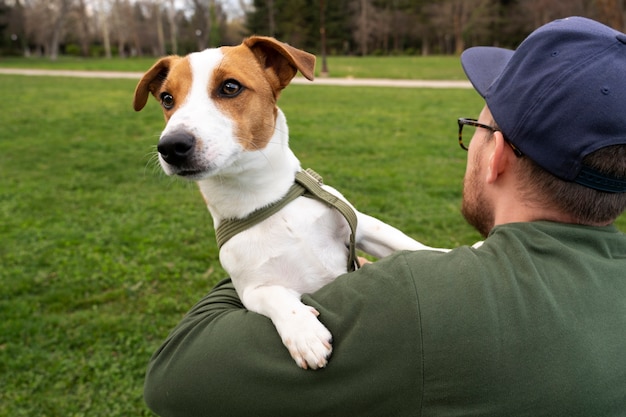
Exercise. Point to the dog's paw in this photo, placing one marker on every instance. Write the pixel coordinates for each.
(308, 341)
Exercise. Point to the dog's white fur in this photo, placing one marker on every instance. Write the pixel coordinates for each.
(241, 160)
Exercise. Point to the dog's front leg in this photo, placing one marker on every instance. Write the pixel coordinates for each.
(380, 239)
(308, 341)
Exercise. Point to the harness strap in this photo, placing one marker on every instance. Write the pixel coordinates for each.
(312, 181)
(309, 184)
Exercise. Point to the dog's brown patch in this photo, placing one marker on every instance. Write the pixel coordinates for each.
(177, 83)
(253, 110)
(171, 74)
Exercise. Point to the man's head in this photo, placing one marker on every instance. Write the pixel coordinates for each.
(560, 99)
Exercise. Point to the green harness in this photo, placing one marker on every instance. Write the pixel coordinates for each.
(308, 184)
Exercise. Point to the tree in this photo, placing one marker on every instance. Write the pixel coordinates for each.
(171, 15)
(202, 21)
(137, 27)
(260, 19)
(103, 20)
(363, 11)
(611, 12)
(60, 10)
(158, 19)
(4, 23)
(83, 31)
(123, 27)
(12, 27)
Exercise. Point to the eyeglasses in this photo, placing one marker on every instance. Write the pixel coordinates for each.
(474, 123)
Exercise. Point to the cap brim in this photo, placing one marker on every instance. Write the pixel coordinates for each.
(483, 64)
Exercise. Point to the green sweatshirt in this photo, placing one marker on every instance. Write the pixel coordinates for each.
(533, 323)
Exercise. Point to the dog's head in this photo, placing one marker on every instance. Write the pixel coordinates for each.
(219, 103)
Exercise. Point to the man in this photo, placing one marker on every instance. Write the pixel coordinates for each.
(532, 323)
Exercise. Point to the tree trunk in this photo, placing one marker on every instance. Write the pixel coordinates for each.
(173, 27)
(106, 35)
(363, 27)
(160, 34)
(612, 13)
(57, 28)
(201, 19)
(84, 32)
(458, 20)
(270, 16)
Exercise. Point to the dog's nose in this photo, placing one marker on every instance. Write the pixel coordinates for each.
(176, 148)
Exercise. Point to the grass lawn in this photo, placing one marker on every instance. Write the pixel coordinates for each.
(401, 67)
(102, 254)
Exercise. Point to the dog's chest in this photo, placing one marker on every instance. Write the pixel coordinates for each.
(305, 245)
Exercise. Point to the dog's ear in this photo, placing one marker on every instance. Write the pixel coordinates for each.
(152, 80)
(283, 59)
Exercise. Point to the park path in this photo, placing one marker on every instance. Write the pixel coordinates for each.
(349, 82)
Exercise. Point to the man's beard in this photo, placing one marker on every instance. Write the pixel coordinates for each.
(477, 212)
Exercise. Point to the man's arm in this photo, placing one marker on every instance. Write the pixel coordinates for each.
(224, 360)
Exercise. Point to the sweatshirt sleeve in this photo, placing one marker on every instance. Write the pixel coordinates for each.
(224, 360)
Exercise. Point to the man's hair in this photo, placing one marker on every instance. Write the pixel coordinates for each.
(585, 205)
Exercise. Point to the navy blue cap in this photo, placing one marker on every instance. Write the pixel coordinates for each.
(559, 96)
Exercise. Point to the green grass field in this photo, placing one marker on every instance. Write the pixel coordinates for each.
(402, 67)
(101, 253)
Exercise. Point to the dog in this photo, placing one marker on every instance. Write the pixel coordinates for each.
(224, 131)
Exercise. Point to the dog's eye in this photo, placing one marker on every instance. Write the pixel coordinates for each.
(167, 100)
(230, 88)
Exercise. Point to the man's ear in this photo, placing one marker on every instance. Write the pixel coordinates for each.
(499, 157)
